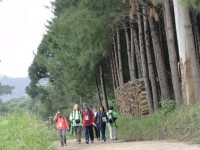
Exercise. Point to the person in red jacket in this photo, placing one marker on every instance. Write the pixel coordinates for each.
(88, 122)
(62, 126)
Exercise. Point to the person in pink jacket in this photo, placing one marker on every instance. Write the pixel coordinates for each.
(62, 126)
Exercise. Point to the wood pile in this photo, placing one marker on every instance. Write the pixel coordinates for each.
(131, 98)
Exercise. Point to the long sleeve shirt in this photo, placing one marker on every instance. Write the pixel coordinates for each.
(61, 122)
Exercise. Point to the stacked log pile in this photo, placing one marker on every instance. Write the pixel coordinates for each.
(131, 98)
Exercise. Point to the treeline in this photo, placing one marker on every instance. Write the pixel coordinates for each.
(6, 89)
(24, 104)
(93, 47)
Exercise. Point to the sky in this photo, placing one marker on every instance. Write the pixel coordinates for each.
(22, 25)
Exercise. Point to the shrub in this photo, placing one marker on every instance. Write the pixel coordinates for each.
(24, 131)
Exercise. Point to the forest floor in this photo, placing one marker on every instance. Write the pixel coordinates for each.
(120, 145)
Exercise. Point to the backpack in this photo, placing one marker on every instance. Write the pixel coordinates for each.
(110, 118)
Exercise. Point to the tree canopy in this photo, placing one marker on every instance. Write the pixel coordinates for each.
(71, 52)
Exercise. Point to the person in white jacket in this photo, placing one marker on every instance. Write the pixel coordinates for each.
(76, 122)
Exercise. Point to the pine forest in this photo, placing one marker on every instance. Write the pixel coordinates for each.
(133, 54)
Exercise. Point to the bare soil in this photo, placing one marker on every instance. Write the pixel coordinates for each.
(120, 145)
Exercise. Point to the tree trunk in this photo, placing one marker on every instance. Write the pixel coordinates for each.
(103, 87)
(192, 52)
(116, 61)
(185, 60)
(133, 61)
(121, 75)
(129, 54)
(114, 68)
(98, 91)
(151, 67)
(144, 64)
(196, 35)
(112, 71)
(160, 64)
(81, 103)
(172, 53)
(137, 51)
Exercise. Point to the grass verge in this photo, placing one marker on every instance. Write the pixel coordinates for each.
(24, 131)
(181, 124)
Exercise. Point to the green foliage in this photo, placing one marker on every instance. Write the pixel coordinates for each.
(4, 108)
(181, 124)
(18, 104)
(24, 131)
(6, 89)
(26, 104)
(167, 106)
(70, 54)
(194, 4)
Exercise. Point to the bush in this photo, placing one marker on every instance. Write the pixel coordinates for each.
(167, 106)
(24, 131)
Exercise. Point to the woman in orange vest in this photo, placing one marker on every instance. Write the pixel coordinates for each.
(62, 126)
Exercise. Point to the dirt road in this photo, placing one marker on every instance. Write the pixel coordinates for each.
(119, 145)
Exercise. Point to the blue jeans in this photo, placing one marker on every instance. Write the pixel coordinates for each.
(62, 135)
(88, 132)
(102, 129)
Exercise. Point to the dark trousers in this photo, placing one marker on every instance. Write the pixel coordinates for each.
(97, 132)
(102, 129)
(88, 132)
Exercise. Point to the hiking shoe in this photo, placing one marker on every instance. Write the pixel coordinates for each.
(62, 145)
(87, 142)
(104, 139)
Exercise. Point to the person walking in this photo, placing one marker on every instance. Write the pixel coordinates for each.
(62, 126)
(96, 129)
(88, 122)
(75, 118)
(101, 119)
(112, 117)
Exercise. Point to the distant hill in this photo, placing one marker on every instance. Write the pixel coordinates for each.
(19, 84)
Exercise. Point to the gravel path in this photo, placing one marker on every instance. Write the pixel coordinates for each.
(119, 145)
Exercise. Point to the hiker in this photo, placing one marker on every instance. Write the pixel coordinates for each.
(88, 122)
(62, 126)
(101, 119)
(112, 117)
(96, 129)
(75, 118)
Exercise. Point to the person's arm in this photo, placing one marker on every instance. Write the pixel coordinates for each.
(55, 118)
(106, 117)
(92, 116)
(96, 117)
(71, 116)
(80, 117)
(66, 122)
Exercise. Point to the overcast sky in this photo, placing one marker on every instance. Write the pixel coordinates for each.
(22, 24)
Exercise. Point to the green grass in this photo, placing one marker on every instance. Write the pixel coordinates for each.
(181, 124)
(24, 131)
